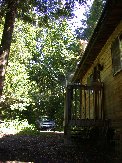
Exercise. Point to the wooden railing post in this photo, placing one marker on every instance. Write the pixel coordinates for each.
(68, 106)
(97, 88)
(96, 105)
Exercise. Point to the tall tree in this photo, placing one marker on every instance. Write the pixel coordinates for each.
(45, 9)
(57, 55)
(17, 84)
(37, 69)
(6, 38)
(28, 91)
(92, 16)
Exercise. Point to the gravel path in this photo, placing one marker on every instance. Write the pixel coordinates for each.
(50, 148)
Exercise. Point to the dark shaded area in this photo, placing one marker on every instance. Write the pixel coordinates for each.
(110, 18)
(50, 147)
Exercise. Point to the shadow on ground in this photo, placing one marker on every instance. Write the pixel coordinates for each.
(49, 147)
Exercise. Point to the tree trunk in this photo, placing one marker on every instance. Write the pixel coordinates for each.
(6, 39)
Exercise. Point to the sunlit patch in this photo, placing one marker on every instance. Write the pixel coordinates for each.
(13, 127)
(14, 162)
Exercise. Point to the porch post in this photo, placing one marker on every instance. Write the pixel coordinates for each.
(121, 143)
(96, 105)
(68, 105)
(97, 86)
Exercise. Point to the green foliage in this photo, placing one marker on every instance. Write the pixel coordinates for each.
(39, 61)
(46, 9)
(92, 16)
(29, 131)
(58, 54)
(16, 95)
(16, 126)
(36, 73)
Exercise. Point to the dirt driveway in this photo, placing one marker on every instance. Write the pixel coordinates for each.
(49, 147)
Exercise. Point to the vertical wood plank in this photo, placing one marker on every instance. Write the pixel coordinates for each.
(89, 102)
(85, 103)
(75, 107)
(80, 103)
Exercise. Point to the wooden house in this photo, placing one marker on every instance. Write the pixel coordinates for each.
(94, 98)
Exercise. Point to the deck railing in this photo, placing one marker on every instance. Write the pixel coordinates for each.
(84, 105)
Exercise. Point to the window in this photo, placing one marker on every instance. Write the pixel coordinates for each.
(116, 51)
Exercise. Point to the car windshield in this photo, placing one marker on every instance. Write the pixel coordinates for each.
(45, 119)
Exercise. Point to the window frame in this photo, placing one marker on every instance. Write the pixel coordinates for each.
(116, 53)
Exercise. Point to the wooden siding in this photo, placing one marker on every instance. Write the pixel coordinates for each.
(112, 84)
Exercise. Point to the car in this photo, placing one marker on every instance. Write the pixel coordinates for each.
(45, 123)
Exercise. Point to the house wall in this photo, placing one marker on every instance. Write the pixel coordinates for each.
(112, 83)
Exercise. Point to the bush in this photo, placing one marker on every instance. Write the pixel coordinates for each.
(29, 131)
(16, 126)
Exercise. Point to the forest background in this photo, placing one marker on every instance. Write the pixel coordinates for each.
(44, 52)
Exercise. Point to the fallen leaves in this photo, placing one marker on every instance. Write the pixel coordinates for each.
(48, 147)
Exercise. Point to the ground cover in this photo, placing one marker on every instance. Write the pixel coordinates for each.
(49, 147)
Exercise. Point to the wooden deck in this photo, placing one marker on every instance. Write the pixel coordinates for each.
(84, 108)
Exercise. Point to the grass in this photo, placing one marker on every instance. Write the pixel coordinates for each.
(16, 126)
